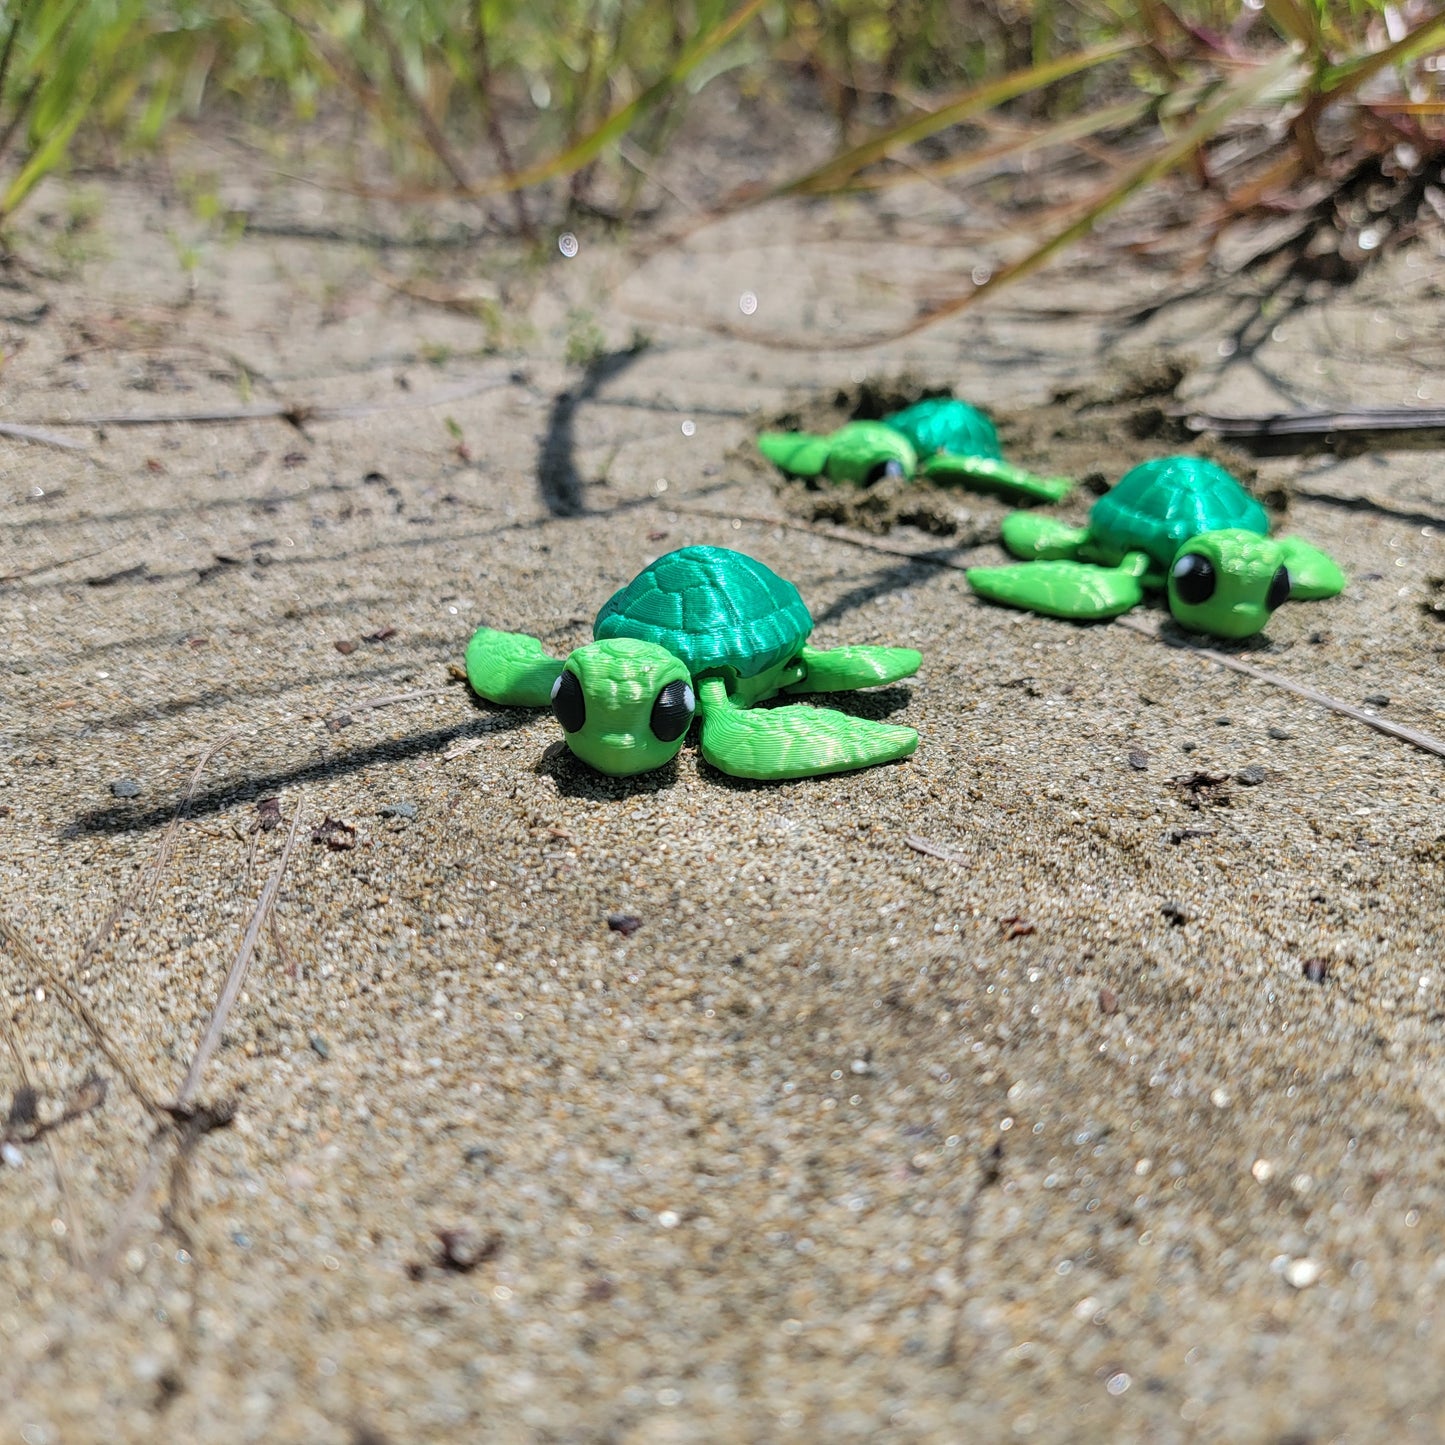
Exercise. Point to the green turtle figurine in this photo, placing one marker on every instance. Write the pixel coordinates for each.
(1180, 523)
(941, 438)
(707, 630)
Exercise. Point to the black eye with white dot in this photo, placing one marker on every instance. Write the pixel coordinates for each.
(673, 710)
(569, 707)
(1278, 590)
(1194, 579)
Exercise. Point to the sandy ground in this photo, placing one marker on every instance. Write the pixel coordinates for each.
(1117, 1116)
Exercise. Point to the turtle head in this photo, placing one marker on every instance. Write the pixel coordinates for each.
(1227, 582)
(625, 705)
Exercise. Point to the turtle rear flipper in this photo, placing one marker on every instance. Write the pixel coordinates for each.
(796, 452)
(1041, 538)
(985, 474)
(511, 668)
(1075, 590)
(1312, 574)
(841, 669)
(792, 742)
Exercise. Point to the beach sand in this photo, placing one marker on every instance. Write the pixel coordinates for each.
(566, 1108)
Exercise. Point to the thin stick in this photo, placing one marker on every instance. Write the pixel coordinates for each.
(1413, 736)
(1321, 423)
(237, 975)
(934, 850)
(297, 413)
(44, 438)
(150, 1174)
(26, 951)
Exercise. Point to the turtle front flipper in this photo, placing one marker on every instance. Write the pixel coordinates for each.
(1041, 538)
(985, 474)
(841, 669)
(1312, 574)
(796, 452)
(792, 742)
(1074, 590)
(511, 668)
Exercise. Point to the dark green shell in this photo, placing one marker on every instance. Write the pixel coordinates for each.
(1159, 505)
(945, 424)
(713, 608)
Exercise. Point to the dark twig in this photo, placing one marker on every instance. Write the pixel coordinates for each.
(297, 413)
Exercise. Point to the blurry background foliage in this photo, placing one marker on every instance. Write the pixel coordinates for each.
(555, 107)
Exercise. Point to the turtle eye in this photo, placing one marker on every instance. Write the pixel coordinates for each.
(1278, 589)
(568, 704)
(673, 710)
(1194, 579)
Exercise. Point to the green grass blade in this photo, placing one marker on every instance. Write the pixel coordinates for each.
(1168, 158)
(831, 174)
(616, 125)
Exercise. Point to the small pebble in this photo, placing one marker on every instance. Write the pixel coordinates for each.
(125, 788)
(1176, 913)
(319, 1046)
(1318, 637)
(397, 810)
(1139, 761)
(1316, 970)
(1378, 699)
(1251, 776)
(1223, 722)
(624, 923)
(1301, 1273)
(1187, 747)
(1280, 735)
(344, 648)
(1108, 1001)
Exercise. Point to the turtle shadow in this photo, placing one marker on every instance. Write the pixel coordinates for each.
(575, 779)
(1171, 634)
(873, 706)
(762, 785)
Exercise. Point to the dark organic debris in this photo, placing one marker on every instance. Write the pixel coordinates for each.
(1177, 914)
(624, 923)
(1434, 605)
(1183, 835)
(221, 564)
(1377, 699)
(1015, 926)
(1202, 790)
(460, 1252)
(380, 635)
(26, 1122)
(336, 834)
(340, 720)
(268, 815)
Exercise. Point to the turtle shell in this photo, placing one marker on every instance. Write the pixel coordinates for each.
(945, 424)
(1159, 505)
(713, 608)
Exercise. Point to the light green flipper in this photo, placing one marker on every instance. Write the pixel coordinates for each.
(840, 669)
(792, 742)
(1075, 590)
(1312, 574)
(511, 668)
(985, 474)
(796, 452)
(1037, 538)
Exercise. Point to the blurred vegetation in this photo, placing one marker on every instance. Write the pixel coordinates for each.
(560, 105)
